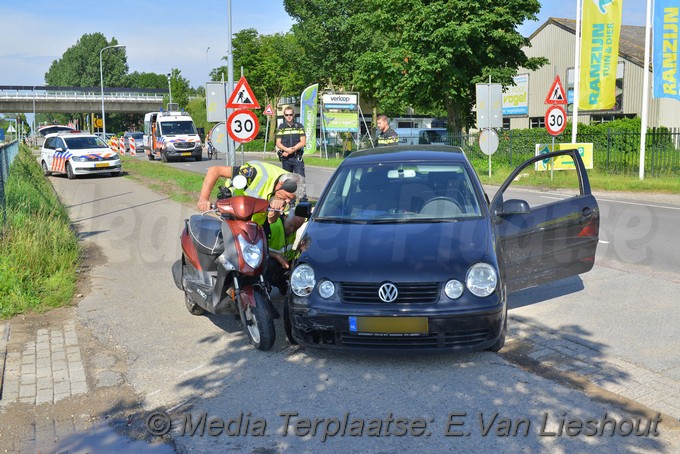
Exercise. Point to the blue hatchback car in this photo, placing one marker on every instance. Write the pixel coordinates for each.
(404, 250)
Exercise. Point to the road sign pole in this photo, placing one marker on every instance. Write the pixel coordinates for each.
(552, 162)
(266, 138)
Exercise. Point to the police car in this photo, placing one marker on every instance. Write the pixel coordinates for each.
(77, 153)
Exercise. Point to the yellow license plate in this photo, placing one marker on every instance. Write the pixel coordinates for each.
(389, 325)
(186, 154)
(101, 164)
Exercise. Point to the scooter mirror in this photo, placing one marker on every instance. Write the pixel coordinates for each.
(239, 182)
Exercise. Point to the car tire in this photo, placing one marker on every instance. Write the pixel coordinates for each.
(46, 172)
(164, 157)
(69, 171)
(501, 340)
(287, 323)
(199, 157)
(151, 156)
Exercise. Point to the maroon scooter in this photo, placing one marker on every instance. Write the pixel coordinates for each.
(222, 266)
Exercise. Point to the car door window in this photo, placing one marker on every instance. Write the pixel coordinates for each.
(554, 179)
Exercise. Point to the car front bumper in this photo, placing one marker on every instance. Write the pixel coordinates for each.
(90, 168)
(468, 330)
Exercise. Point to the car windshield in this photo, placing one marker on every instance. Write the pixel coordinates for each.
(83, 143)
(135, 135)
(398, 192)
(177, 127)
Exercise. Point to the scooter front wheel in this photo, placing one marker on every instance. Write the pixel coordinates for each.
(259, 323)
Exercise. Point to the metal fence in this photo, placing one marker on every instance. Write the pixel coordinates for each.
(7, 154)
(614, 151)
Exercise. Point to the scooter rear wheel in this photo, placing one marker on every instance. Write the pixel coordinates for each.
(259, 323)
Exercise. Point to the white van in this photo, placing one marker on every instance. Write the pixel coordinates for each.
(171, 135)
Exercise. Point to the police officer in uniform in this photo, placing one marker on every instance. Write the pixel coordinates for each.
(291, 141)
(387, 135)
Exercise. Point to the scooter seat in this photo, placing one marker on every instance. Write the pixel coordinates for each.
(206, 233)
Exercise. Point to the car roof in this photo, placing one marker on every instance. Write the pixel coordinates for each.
(401, 153)
(51, 129)
(73, 133)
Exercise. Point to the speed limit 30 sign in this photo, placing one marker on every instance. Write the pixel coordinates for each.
(555, 120)
(243, 125)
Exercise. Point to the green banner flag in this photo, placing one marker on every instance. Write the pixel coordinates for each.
(308, 110)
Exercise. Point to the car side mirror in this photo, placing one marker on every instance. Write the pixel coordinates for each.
(303, 209)
(513, 206)
(58, 150)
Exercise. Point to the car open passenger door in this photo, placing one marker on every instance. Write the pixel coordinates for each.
(554, 236)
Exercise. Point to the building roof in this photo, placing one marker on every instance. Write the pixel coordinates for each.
(631, 43)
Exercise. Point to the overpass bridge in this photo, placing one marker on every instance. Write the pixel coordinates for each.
(47, 99)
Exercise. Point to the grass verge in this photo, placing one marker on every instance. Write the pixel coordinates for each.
(39, 252)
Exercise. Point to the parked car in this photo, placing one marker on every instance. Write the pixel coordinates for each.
(77, 153)
(403, 251)
(109, 136)
(139, 140)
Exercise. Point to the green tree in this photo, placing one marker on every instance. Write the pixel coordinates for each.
(146, 80)
(79, 65)
(180, 89)
(428, 54)
(270, 63)
(331, 38)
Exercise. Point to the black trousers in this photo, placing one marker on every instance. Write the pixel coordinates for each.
(292, 164)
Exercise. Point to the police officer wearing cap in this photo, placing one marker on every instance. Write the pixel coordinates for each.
(291, 141)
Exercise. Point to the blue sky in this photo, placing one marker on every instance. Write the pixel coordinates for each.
(163, 34)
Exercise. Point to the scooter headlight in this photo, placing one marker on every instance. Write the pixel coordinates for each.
(252, 253)
(302, 280)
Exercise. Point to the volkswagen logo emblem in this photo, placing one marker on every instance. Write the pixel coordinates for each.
(388, 292)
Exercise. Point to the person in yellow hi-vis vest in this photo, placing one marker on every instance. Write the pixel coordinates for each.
(281, 188)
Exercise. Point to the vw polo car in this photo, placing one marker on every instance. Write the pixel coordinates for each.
(77, 153)
(404, 250)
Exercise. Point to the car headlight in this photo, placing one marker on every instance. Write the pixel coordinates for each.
(481, 279)
(252, 253)
(80, 158)
(326, 289)
(302, 280)
(453, 289)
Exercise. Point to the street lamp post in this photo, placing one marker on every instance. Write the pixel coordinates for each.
(33, 126)
(207, 64)
(101, 74)
(169, 90)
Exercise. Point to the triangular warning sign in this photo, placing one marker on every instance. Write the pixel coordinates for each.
(268, 110)
(242, 96)
(556, 95)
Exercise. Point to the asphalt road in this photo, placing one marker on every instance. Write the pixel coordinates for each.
(187, 366)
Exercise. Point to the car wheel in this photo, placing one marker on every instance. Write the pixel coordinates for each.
(164, 157)
(151, 156)
(287, 323)
(199, 157)
(501, 340)
(45, 170)
(69, 171)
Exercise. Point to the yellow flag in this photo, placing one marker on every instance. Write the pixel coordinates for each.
(600, 30)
